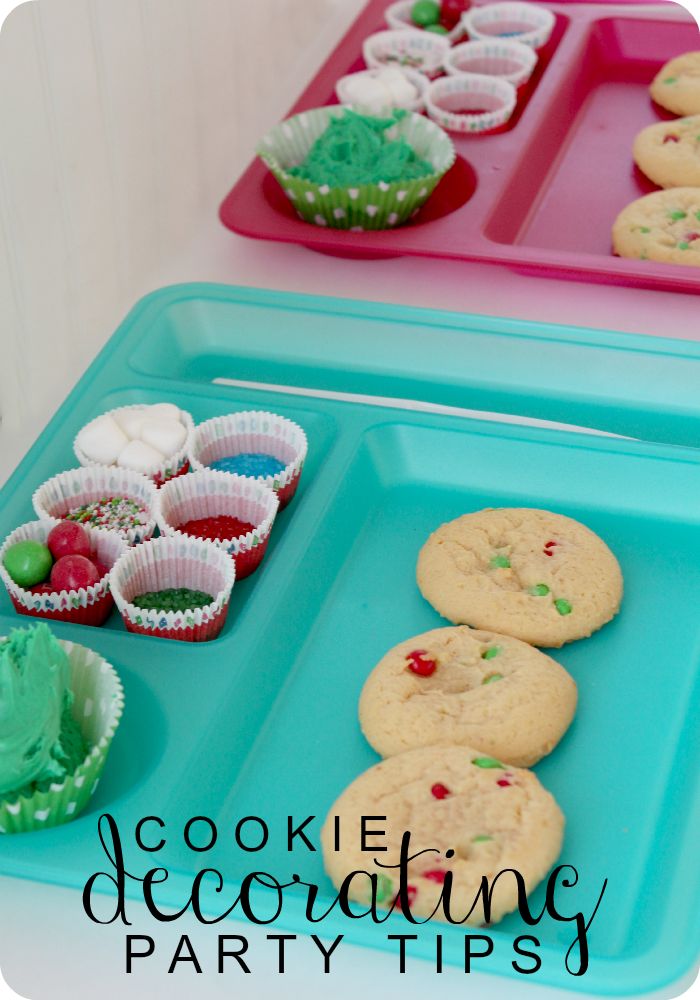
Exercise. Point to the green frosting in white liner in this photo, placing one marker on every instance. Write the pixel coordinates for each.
(34, 693)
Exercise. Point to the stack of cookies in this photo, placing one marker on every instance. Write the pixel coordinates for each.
(460, 712)
(665, 225)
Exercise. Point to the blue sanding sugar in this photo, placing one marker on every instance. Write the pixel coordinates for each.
(249, 464)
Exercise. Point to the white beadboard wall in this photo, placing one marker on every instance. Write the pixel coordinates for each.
(122, 125)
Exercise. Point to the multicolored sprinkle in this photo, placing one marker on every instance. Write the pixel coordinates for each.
(115, 513)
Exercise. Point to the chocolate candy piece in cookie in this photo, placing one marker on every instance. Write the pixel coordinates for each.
(676, 86)
(473, 815)
(484, 689)
(172, 599)
(663, 226)
(252, 464)
(669, 152)
(538, 576)
(28, 563)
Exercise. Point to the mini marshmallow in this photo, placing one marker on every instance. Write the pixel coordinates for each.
(401, 90)
(168, 436)
(369, 92)
(166, 411)
(102, 440)
(140, 457)
(130, 421)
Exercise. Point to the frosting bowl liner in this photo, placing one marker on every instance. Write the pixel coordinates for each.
(254, 431)
(419, 81)
(209, 493)
(87, 606)
(398, 15)
(168, 562)
(449, 99)
(523, 22)
(406, 47)
(98, 704)
(175, 465)
(502, 57)
(57, 496)
(367, 206)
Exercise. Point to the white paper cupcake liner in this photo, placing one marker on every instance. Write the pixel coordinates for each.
(418, 80)
(210, 493)
(254, 431)
(174, 465)
(68, 490)
(406, 47)
(174, 562)
(497, 96)
(98, 704)
(87, 606)
(502, 57)
(398, 15)
(523, 22)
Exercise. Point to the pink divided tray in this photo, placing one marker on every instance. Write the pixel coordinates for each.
(542, 194)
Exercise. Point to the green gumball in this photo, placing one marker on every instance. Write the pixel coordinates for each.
(28, 563)
(425, 13)
(437, 29)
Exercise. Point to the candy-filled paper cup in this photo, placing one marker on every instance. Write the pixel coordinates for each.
(98, 704)
(209, 494)
(257, 432)
(172, 563)
(502, 57)
(406, 47)
(398, 15)
(367, 206)
(471, 102)
(93, 483)
(416, 79)
(175, 465)
(88, 606)
(523, 22)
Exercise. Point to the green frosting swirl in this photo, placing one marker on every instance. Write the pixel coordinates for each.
(34, 698)
(354, 150)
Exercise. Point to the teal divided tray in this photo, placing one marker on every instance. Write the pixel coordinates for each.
(263, 721)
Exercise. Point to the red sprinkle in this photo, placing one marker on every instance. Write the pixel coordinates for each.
(692, 236)
(416, 663)
(411, 893)
(671, 138)
(436, 875)
(440, 791)
(216, 528)
(503, 783)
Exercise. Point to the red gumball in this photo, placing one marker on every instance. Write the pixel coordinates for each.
(42, 588)
(74, 573)
(100, 567)
(68, 539)
(451, 12)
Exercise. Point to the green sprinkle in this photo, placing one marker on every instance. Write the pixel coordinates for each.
(488, 654)
(491, 678)
(384, 887)
(500, 562)
(563, 606)
(488, 762)
(697, 214)
(539, 590)
(671, 79)
(481, 839)
(683, 246)
(644, 229)
(677, 214)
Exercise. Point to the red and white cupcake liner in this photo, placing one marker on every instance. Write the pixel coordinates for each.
(449, 99)
(87, 606)
(176, 465)
(254, 431)
(523, 22)
(398, 15)
(502, 57)
(211, 493)
(68, 490)
(174, 562)
(406, 48)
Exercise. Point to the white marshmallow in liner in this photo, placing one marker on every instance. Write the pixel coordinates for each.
(103, 440)
(165, 410)
(140, 457)
(166, 436)
(130, 421)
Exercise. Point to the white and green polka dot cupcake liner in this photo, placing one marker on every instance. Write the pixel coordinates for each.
(367, 206)
(97, 708)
